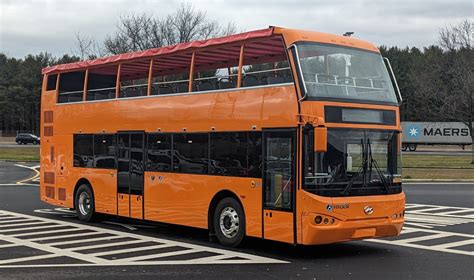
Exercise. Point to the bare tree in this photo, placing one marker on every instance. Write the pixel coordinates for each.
(457, 37)
(87, 47)
(459, 101)
(139, 32)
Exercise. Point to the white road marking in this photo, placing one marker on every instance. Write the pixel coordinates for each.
(72, 242)
(445, 248)
(129, 250)
(162, 255)
(455, 244)
(433, 220)
(112, 238)
(29, 230)
(65, 235)
(420, 218)
(8, 245)
(459, 212)
(17, 223)
(12, 220)
(109, 244)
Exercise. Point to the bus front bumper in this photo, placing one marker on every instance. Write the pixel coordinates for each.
(338, 231)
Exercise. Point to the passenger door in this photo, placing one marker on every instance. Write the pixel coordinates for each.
(130, 173)
(279, 184)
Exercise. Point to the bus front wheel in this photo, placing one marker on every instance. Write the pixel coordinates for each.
(85, 206)
(229, 222)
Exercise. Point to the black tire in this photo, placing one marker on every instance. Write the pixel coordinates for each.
(404, 147)
(35, 143)
(412, 147)
(233, 216)
(18, 142)
(85, 209)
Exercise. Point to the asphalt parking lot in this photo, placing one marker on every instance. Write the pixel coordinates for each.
(41, 241)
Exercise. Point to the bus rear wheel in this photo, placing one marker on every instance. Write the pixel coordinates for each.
(84, 202)
(229, 222)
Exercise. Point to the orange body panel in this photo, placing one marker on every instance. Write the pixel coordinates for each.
(123, 205)
(136, 206)
(292, 36)
(235, 110)
(184, 199)
(278, 225)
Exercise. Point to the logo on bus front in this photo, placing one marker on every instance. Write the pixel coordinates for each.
(368, 210)
(330, 207)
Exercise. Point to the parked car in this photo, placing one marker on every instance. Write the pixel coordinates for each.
(25, 138)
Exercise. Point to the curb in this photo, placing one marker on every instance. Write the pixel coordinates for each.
(19, 161)
(438, 180)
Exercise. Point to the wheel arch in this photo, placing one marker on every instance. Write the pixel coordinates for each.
(212, 206)
(79, 183)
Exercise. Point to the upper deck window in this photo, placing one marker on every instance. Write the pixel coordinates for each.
(341, 73)
(101, 83)
(265, 63)
(171, 74)
(71, 87)
(212, 72)
(134, 79)
(270, 73)
(51, 84)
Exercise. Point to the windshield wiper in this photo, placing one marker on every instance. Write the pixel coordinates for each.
(361, 171)
(368, 163)
(373, 162)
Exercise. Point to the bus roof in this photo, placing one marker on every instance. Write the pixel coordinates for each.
(290, 36)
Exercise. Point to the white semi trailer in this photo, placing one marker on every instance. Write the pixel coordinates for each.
(434, 133)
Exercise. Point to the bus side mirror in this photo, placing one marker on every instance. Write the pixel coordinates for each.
(320, 139)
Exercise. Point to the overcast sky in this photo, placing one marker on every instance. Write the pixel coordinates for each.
(33, 26)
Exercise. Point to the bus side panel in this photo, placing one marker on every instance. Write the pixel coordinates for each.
(226, 111)
(184, 199)
(277, 226)
(104, 187)
(123, 205)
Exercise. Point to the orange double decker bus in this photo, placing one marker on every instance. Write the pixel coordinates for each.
(278, 134)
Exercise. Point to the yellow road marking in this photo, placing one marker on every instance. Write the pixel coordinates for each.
(22, 182)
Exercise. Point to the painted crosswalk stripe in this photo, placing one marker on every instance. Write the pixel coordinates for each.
(111, 245)
(67, 242)
(419, 230)
(451, 211)
(445, 248)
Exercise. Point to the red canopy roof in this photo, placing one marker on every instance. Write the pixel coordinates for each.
(269, 48)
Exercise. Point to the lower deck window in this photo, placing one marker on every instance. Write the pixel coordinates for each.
(237, 154)
(83, 150)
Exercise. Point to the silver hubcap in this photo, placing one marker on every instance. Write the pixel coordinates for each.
(229, 222)
(84, 203)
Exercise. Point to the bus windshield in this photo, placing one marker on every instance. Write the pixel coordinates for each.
(357, 162)
(341, 73)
